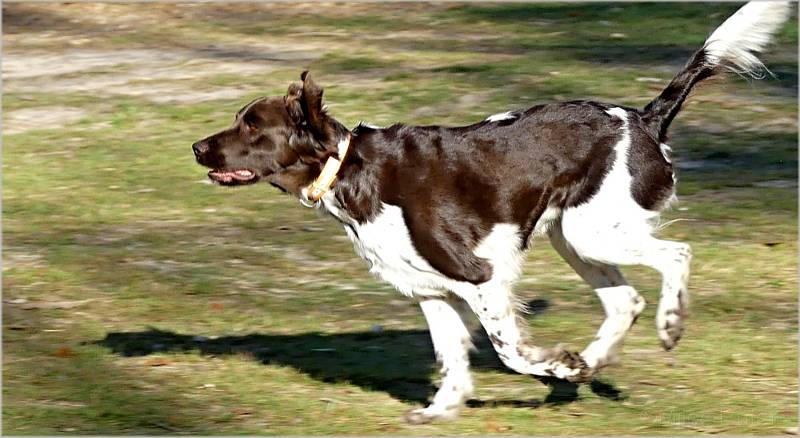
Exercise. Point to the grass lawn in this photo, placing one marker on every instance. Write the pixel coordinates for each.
(139, 299)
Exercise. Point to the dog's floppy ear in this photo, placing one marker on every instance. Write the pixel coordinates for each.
(303, 141)
(294, 106)
(312, 107)
(304, 104)
(317, 129)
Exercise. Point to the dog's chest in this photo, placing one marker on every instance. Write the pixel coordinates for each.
(385, 243)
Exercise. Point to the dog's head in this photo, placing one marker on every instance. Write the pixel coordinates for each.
(283, 140)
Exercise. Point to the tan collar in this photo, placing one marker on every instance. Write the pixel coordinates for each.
(327, 177)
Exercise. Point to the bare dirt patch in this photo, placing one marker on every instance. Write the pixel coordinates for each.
(149, 73)
(27, 119)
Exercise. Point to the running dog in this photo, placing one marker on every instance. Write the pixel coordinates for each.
(445, 214)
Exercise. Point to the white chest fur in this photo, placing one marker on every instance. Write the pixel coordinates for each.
(385, 243)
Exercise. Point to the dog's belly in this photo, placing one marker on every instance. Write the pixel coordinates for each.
(385, 243)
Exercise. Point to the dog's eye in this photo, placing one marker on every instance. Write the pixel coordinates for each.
(250, 128)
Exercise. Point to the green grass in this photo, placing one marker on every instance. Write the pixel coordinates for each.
(139, 300)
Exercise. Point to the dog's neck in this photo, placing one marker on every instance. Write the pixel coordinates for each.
(355, 194)
(312, 194)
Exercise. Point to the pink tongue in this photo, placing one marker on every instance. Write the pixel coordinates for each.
(241, 174)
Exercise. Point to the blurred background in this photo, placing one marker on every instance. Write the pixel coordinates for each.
(138, 298)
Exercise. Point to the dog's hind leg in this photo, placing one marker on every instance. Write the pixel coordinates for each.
(626, 241)
(451, 341)
(621, 302)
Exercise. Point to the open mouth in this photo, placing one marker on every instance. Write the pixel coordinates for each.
(233, 177)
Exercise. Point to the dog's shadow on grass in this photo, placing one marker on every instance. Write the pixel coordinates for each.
(399, 362)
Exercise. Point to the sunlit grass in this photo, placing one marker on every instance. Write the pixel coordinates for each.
(139, 299)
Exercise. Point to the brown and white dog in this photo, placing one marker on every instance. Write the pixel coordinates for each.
(446, 214)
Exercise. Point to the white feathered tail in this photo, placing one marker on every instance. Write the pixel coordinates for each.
(735, 43)
(732, 46)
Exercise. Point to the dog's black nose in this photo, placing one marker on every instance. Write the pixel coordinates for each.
(199, 148)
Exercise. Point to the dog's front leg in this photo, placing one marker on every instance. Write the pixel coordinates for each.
(451, 341)
(493, 303)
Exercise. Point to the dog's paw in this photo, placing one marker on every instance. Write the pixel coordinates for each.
(670, 327)
(429, 414)
(584, 374)
(570, 366)
(418, 416)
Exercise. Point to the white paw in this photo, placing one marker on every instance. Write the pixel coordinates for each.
(570, 366)
(431, 413)
(670, 327)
